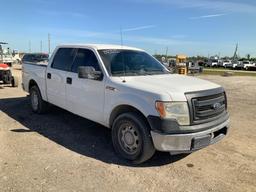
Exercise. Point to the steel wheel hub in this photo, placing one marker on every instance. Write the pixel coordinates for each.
(129, 139)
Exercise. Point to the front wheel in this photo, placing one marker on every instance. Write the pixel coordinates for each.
(131, 138)
(38, 105)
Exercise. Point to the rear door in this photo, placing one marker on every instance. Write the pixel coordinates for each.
(56, 76)
(85, 97)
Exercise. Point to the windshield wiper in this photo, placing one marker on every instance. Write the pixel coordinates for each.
(122, 73)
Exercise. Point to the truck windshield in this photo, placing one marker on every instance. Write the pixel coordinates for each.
(120, 62)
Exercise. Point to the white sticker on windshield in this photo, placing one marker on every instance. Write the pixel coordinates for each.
(111, 51)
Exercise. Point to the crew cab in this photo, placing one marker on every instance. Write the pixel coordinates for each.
(127, 90)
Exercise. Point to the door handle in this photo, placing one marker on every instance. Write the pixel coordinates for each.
(49, 75)
(69, 80)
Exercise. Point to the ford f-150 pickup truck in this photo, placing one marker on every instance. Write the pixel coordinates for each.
(127, 90)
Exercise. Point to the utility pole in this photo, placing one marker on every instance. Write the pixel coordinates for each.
(166, 53)
(41, 46)
(49, 43)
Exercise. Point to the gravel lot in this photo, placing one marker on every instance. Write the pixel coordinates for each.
(59, 151)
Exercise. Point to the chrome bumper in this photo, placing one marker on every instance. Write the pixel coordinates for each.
(185, 143)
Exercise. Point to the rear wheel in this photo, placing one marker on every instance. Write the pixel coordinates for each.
(38, 105)
(131, 138)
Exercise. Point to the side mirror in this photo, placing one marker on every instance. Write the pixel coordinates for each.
(88, 72)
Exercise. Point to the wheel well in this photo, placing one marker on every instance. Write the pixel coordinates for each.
(31, 84)
(125, 109)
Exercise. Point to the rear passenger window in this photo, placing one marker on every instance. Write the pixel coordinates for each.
(85, 57)
(63, 59)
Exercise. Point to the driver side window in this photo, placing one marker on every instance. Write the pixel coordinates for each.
(85, 57)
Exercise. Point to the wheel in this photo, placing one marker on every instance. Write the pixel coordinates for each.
(131, 138)
(38, 105)
(14, 81)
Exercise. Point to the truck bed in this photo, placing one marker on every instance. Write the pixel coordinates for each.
(43, 64)
(34, 71)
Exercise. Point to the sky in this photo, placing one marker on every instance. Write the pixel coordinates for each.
(191, 27)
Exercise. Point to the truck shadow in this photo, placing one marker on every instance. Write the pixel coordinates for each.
(73, 132)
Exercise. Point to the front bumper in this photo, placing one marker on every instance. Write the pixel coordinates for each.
(188, 142)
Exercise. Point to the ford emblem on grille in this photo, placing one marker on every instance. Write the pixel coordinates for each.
(216, 106)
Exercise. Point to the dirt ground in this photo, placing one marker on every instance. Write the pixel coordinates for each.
(60, 151)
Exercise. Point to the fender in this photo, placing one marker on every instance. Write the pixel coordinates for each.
(40, 81)
(145, 106)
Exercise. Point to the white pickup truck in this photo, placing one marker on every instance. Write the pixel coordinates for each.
(130, 92)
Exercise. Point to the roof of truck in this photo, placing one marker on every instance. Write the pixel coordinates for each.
(100, 46)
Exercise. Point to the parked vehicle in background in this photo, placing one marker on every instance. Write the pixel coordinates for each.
(5, 55)
(6, 62)
(193, 67)
(238, 65)
(243, 65)
(6, 76)
(247, 65)
(227, 64)
(39, 58)
(212, 63)
(7, 59)
(133, 94)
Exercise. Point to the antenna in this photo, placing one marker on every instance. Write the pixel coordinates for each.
(121, 38)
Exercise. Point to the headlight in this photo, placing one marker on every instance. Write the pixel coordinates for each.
(174, 110)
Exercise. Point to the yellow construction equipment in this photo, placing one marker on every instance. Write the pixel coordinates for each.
(181, 64)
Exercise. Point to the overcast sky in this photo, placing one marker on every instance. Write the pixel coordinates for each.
(192, 27)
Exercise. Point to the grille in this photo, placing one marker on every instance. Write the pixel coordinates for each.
(207, 107)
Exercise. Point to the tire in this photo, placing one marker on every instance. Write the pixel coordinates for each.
(15, 81)
(131, 138)
(38, 105)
